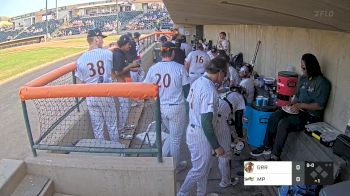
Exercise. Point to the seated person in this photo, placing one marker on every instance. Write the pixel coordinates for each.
(311, 99)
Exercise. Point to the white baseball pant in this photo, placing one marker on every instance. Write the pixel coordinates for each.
(138, 76)
(201, 155)
(174, 118)
(102, 110)
(223, 133)
(124, 110)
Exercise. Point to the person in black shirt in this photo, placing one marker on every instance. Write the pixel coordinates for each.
(179, 53)
(121, 67)
(121, 73)
(131, 55)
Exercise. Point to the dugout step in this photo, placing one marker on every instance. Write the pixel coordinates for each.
(99, 143)
(61, 194)
(34, 185)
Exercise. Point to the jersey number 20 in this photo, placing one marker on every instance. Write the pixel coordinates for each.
(100, 68)
(166, 80)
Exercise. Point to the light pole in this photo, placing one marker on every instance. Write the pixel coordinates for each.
(47, 23)
(117, 17)
(56, 10)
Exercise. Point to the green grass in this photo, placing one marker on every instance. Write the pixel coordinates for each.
(13, 63)
(17, 61)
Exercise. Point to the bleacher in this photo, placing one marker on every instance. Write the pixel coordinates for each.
(105, 23)
(7, 35)
(40, 29)
(159, 19)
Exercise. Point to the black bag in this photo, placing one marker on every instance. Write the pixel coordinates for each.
(341, 146)
(237, 61)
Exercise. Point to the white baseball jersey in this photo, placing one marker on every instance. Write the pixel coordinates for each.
(223, 44)
(171, 77)
(248, 85)
(95, 66)
(211, 55)
(235, 99)
(202, 98)
(198, 60)
(234, 76)
(186, 47)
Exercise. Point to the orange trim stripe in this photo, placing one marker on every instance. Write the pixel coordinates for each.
(130, 90)
(52, 75)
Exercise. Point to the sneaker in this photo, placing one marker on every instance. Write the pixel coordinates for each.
(274, 158)
(181, 166)
(129, 127)
(239, 148)
(259, 151)
(124, 136)
(233, 182)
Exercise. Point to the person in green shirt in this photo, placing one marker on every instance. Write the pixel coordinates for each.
(310, 102)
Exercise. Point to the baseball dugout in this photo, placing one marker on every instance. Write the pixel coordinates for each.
(67, 121)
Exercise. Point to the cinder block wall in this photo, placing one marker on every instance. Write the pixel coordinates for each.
(283, 46)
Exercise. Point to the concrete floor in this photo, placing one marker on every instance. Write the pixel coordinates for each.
(214, 177)
(14, 143)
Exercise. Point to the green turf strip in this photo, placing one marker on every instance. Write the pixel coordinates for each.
(13, 63)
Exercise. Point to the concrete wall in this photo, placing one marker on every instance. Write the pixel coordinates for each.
(147, 57)
(105, 175)
(283, 46)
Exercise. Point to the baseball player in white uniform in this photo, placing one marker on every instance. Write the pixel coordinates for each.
(173, 82)
(185, 46)
(223, 43)
(195, 63)
(95, 66)
(229, 103)
(234, 76)
(139, 75)
(200, 136)
(247, 83)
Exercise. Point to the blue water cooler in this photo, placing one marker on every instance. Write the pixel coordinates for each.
(246, 116)
(257, 123)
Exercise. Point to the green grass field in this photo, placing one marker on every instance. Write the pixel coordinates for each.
(17, 62)
(14, 61)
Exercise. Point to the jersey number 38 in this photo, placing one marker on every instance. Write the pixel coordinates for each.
(100, 69)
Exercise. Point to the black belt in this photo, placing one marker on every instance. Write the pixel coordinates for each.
(219, 115)
(194, 126)
(196, 73)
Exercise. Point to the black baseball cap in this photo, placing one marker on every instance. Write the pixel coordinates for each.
(168, 45)
(95, 32)
(123, 40)
(137, 34)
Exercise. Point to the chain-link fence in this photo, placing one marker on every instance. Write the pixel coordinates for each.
(119, 118)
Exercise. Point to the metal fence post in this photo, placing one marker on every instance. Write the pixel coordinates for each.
(29, 130)
(74, 82)
(158, 130)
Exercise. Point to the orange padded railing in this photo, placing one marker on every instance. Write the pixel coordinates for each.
(36, 88)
